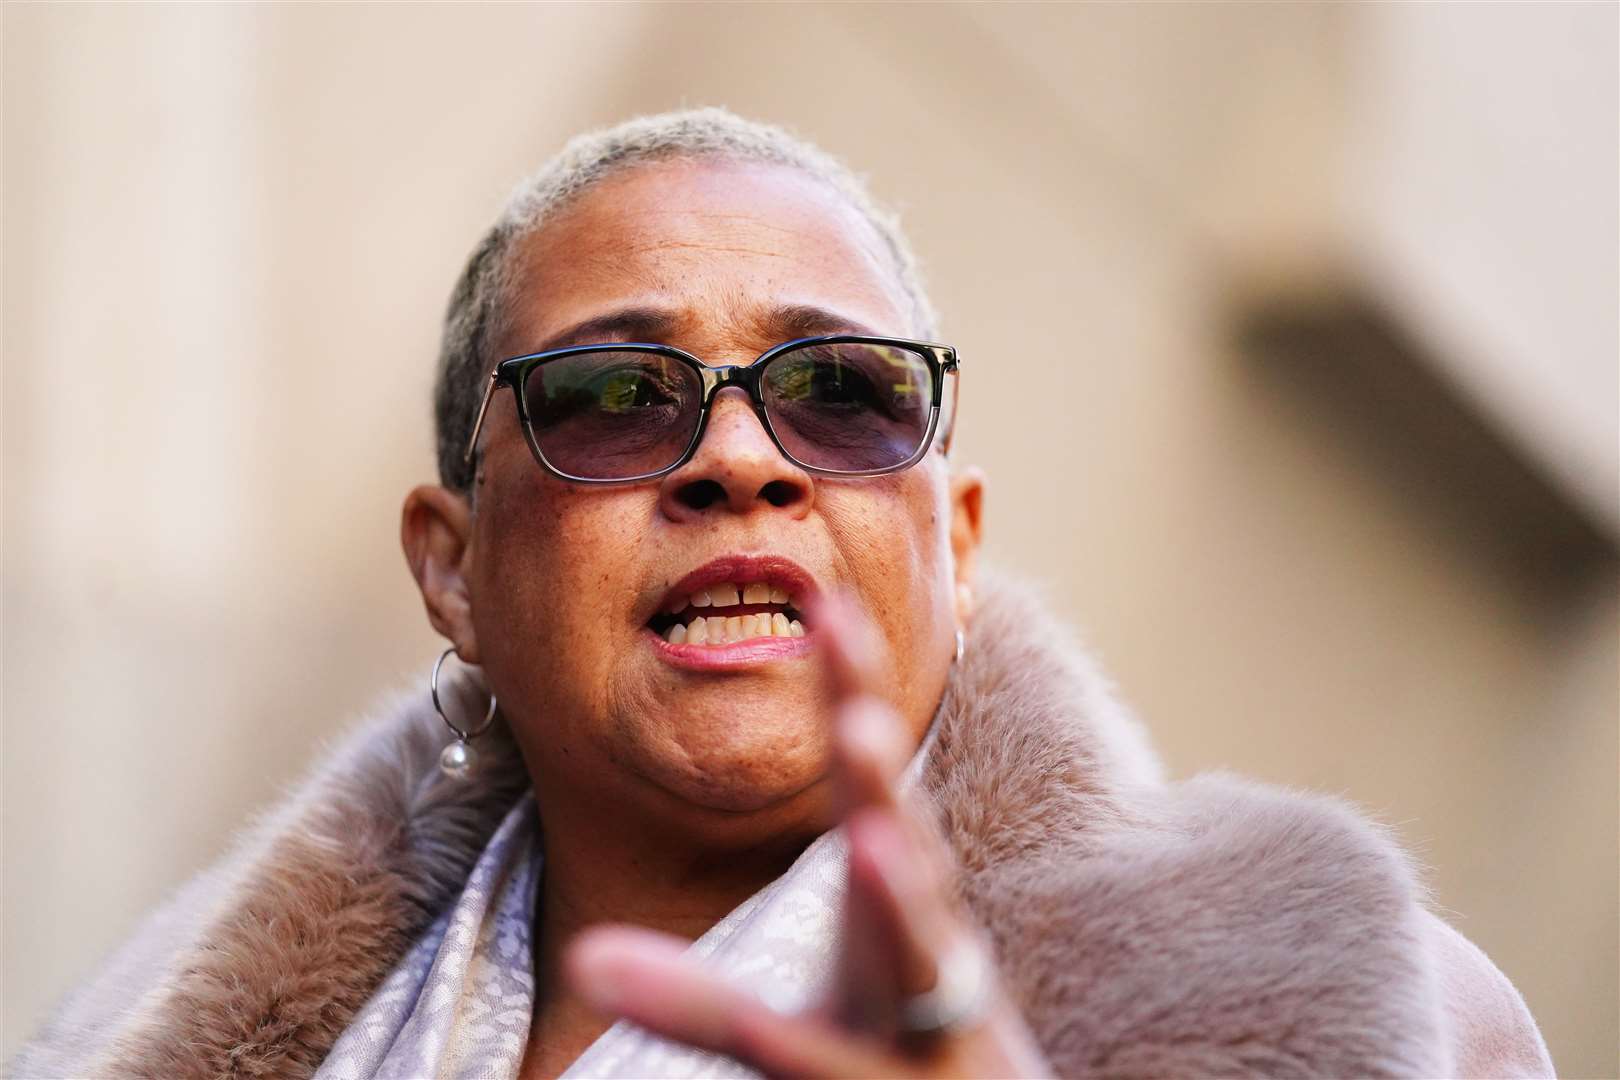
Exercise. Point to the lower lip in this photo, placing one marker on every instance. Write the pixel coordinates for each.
(738, 654)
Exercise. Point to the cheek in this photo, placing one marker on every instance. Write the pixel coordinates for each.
(551, 565)
(889, 530)
(893, 538)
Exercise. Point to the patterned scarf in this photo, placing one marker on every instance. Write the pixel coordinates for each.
(458, 1004)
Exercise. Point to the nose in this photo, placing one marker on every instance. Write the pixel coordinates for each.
(736, 469)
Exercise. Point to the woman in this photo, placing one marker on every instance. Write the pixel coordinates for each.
(733, 677)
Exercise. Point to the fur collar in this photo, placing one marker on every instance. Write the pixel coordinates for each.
(1211, 927)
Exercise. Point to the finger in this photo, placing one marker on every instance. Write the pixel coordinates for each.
(899, 923)
(884, 958)
(871, 744)
(870, 753)
(869, 740)
(640, 974)
(646, 978)
(891, 875)
(852, 652)
(904, 900)
(808, 1046)
(869, 985)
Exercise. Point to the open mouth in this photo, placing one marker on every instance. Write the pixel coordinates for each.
(728, 612)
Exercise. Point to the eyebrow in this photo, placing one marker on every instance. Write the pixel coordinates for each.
(783, 322)
(789, 321)
(625, 324)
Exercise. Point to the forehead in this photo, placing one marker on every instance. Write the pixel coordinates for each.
(723, 247)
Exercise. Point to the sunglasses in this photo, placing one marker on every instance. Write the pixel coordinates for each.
(838, 405)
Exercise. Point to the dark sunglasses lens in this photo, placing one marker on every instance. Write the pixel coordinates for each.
(612, 415)
(850, 408)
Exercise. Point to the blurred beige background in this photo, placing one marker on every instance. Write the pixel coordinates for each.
(229, 233)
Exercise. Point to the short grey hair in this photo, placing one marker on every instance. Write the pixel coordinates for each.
(477, 305)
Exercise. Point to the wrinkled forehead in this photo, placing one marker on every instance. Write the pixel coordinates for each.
(706, 254)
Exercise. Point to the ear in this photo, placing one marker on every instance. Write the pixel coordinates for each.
(435, 529)
(967, 524)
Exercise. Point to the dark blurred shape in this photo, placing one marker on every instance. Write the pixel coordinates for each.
(1353, 373)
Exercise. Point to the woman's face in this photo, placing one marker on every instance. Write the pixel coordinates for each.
(561, 589)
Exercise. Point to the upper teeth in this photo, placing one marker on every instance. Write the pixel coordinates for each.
(721, 629)
(726, 594)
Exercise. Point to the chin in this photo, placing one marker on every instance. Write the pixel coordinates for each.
(759, 772)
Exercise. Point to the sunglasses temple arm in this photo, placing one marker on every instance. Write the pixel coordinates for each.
(478, 423)
(956, 401)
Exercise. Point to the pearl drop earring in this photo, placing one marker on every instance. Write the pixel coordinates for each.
(459, 758)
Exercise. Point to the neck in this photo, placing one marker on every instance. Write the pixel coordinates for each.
(600, 872)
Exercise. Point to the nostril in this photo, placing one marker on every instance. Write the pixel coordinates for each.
(780, 493)
(701, 494)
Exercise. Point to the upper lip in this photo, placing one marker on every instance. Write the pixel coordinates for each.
(741, 570)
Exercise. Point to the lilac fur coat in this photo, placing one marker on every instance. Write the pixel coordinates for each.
(1212, 927)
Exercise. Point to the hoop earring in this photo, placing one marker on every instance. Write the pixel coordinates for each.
(961, 647)
(459, 758)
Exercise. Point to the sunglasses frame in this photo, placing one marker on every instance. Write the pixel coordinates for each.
(514, 372)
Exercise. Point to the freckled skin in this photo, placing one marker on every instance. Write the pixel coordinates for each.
(562, 577)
